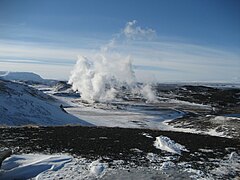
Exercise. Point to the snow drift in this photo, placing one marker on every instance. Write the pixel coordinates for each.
(28, 166)
(41, 166)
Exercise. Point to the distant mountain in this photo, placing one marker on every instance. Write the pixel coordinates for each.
(23, 105)
(21, 76)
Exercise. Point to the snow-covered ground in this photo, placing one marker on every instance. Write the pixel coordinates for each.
(127, 114)
(23, 105)
(40, 105)
(132, 114)
(135, 119)
(62, 166)
(48, 105)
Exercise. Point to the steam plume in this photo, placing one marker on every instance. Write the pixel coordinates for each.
(100, 78)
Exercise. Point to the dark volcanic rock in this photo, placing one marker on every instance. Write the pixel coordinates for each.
(114, 143)
(224, 100)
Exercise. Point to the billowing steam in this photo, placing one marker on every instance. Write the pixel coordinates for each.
(100, 78)
(97, 80)
(148, 93)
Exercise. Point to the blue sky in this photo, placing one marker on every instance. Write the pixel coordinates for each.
(195, 40)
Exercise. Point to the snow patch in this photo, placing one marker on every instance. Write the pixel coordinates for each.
(220, 119)
(206, 150)
(97, 168)
(136, 150)
(166, 144)
(175, 101)
(147, 135)
(167, 165)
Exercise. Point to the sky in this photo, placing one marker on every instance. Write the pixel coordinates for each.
(168, 41)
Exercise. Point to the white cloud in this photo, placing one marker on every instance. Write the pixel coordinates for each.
(132, 31)
(176, 61)
(37, 51)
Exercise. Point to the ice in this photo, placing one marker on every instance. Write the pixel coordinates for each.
(166, 144)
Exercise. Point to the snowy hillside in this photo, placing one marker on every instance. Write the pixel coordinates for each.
(21, 76)
(22, 105)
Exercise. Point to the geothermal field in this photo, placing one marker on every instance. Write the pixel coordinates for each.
(142, 105)
(104, 124)
(114, 130)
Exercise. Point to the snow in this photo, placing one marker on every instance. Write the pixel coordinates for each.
(229, 166)
(23, 105)
(147, 135)
(233, 156)
(195, 174)
(136, 150)
(46, 167)
(130, 115)
(21, 76)
(188, 103)
(96, 168)
(166, 144)
(167, 165)
(206, 150)
(31, 165)
(220, 119)
(154, 158)
(214, 132)
(211, 132)
(63, 166)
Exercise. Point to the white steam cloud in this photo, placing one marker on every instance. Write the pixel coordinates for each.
(102, 77)
(97, 80)
(148, 93)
